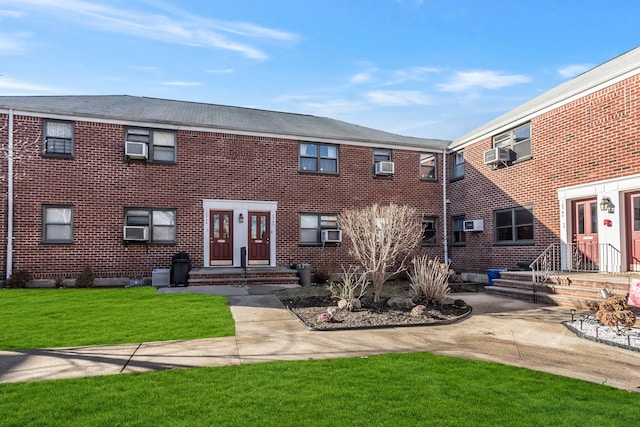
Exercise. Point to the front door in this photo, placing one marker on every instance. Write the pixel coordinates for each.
(221, 237)
(584, 254)
(633, 227)
(259, 238)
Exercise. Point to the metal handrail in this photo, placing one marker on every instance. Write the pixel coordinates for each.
(576, 257)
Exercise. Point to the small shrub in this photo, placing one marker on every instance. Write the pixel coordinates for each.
(429, 279)
(350, 289)
(19, 279)
(59, 282)
(86, 278)
(614, 312)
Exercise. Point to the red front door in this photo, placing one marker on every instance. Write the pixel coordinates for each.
(221, 237)
(259, 237)
(633, 233)
(584, 255)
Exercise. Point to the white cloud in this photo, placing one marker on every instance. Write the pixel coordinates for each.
(170, 25)
(485, 79)
(361, 78)
(10, 13)
(9, 86)
(331, 108)
(570, 71)
(397, 98)
(412, 74)
(222, 71)
(181, 83)
(12, 44)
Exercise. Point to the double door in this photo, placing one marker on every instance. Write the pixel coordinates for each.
(255, 236)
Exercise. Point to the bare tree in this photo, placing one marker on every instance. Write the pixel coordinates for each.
(22, 149)
(382, 238)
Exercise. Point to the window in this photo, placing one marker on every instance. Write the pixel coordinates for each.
(518, 140)
(58, 138)
(318, 158)
(459, 237)
(514, 225)
(381, 155)
(428, 167)
(311, 226)
(161, 223)
(457, 165)
(161, 143)
(429, 230)
(57, 224)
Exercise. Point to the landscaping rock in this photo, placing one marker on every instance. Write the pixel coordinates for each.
(400, 303)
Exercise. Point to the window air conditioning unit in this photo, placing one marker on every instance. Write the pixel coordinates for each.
(497, 155)
(473, 225)
(385, 168)
(137, 233)
(137, 150)
(331, 236)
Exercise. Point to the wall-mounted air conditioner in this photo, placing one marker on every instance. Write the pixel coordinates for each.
(473, 225)
(136, 150)
(136, 233)
(385, 168)
(331, 236)
(497, 155)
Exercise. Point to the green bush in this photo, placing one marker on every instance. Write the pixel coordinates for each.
(86, 278)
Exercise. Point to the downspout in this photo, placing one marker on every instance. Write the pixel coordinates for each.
(9, 270)
(444, 207)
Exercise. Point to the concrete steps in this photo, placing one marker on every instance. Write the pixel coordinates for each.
(229, 276)
(581, 291)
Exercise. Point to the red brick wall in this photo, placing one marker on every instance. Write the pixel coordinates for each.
(99, 183)
(591, 139)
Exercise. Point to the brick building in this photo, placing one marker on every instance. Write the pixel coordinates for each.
(560, 172)
(122, 183)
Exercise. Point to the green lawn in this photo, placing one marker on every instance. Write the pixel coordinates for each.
(390, 390)
(44, 318)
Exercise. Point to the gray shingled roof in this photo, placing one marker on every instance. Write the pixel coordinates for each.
(215, 117)
(610, 70)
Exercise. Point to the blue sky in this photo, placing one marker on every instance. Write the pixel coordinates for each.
(426, 68)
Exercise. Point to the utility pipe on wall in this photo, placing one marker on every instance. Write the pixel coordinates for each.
(9, 270)
(444, 207)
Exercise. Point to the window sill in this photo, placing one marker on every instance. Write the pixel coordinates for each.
(57, 156)
(517, 243)
(318, 173)
(57, 242)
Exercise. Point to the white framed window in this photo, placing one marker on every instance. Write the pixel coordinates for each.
(312, 224)
(161, 143)
(429, 230)
(517, 140)
(459, 236)
(457, 165)
(58, 138)
(514, 225)
(57, 224)
(428, 167)
(381, 155)
(161, 222)
(319, 158)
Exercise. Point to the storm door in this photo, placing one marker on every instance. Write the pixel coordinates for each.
(259, 238)
(584, 251)
(221, 237)
(633, 230)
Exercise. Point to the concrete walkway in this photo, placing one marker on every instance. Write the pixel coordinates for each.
(500, 330)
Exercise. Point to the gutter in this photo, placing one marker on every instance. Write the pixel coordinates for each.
(444, 208)
(9, 270)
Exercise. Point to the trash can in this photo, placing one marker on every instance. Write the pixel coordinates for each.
(494, 273)
(180, 266)
(304, 273)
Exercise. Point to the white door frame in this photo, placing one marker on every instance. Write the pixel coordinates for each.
(240, 230)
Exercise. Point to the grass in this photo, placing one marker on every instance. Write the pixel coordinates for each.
(45, 318)
(394, 389)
